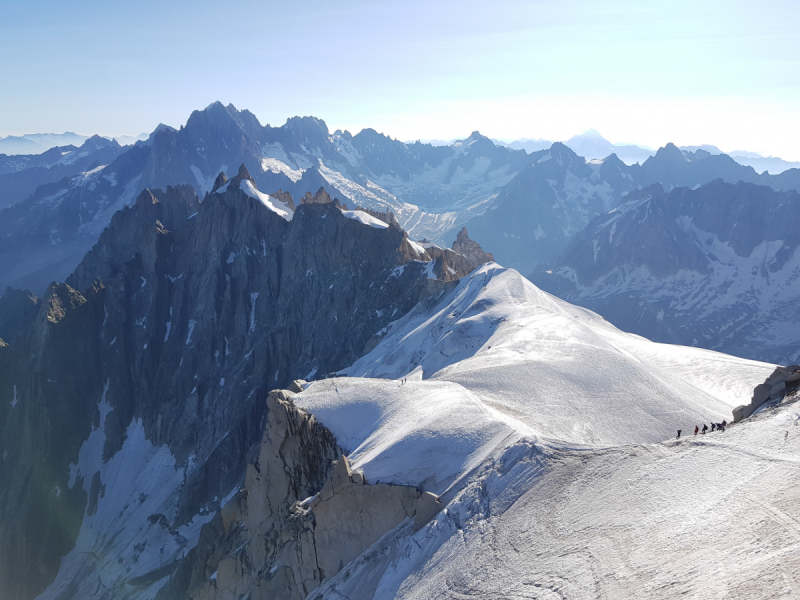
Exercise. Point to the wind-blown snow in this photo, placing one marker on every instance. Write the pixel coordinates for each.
(542, 427)
(365, 218)
(271, 203)
(417, 247)
(712, 516)
(550, 370)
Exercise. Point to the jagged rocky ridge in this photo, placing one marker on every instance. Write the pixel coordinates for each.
(427, 188)
(524, 207)
(135, 395)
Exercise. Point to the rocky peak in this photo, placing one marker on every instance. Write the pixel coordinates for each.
(321, 197)
(669, 153)
(219, 181)
(222, 183)
(96, 142)
(284, 197)
(471, 249)
(310, 128)
(241, 176)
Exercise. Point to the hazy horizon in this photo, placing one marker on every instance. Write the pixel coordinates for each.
(721, 73)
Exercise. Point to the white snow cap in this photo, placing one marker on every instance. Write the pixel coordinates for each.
(271, 203)
(365, 218)
(499, 359)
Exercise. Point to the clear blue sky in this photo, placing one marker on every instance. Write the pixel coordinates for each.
(720, 72)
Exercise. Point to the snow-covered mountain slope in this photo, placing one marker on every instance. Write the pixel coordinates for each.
(432, 190)
(708, 517)
(591, 145)
(21, 175)
(542, 427)
(519, 360)
(536, 214)
(522, 207)
(715, 267)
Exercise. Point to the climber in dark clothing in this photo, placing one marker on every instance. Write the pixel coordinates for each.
(713, 425)
(705, 428)
(679, 434)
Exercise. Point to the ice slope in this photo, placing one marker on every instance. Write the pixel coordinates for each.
(125, 535)
(711, 516)
(542, 427)
(550, 369)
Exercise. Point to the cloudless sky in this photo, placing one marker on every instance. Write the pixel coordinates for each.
(724, 72)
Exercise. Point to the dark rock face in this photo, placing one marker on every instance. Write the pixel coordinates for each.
(261, 525)
(18, 309)
(160, 347)
(713, 267)
(781, 386)
(297, 519)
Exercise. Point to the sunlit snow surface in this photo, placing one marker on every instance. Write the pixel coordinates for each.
(271, 203)
(550, 435)
(365, 218)
(545, 367)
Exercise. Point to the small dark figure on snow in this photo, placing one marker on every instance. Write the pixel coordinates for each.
(696, 429)
(679, 434)
(724, 424)
(713, 426)
(705, 428)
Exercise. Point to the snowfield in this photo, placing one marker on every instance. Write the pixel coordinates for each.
(712, 517)
(549, 368)
(549, 434)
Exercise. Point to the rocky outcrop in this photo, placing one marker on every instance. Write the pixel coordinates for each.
(321, 197)
(782, 384)
(471, 249)
(284, 197)
(221, 180)
(448, 265)
(350, 515)
(163, 343)
(299, 519)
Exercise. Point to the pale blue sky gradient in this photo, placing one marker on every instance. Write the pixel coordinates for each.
(649, 72)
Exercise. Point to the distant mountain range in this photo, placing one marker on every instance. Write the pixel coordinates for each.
(36, 143)
(528, 209)
(716, 266)
(591, 145)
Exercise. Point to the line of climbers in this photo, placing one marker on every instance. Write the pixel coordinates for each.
(714, 427)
